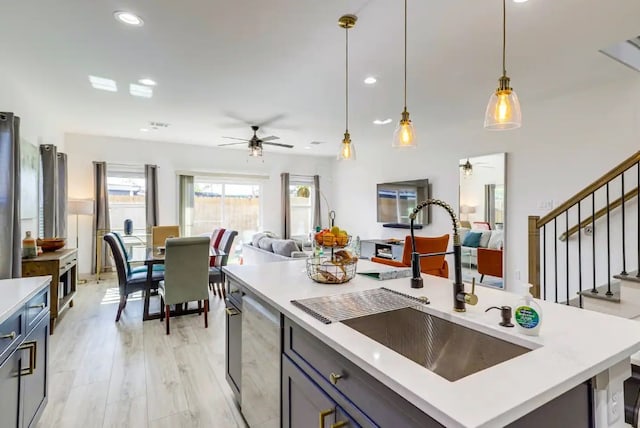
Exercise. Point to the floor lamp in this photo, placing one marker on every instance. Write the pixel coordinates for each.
(79, 207)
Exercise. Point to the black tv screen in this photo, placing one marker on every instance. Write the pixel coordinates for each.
(396, 200)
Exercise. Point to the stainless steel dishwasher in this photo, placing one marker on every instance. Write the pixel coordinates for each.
(260, 380)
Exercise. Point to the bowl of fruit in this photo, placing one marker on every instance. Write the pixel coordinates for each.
(338, 269)
(334, 237)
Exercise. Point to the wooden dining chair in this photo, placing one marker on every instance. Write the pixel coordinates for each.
(159, 234)
(186, 275)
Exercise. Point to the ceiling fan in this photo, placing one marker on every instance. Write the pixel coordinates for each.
(255, 143)
(467, 167)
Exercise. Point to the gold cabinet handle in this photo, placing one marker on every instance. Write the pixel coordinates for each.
(323, 415)
(334, 378)
(232, 311)
(340, 424)
(10, 336)
(39, 306)
(32, 346)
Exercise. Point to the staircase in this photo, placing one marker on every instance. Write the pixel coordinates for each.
(583, 252)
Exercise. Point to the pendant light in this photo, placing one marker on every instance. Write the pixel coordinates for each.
(405, 135)
(347, 151)
(503, 111)
(467, 168)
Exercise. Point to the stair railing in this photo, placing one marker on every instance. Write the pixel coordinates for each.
(584, 202)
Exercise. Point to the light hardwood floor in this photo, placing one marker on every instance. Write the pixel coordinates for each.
(130, 374)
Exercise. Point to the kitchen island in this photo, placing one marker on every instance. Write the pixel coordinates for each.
(577, 364)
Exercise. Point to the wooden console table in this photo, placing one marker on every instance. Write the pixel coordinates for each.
(62, 265)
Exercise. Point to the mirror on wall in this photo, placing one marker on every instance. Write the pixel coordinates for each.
(482, 215)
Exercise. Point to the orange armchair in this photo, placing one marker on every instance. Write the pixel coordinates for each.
(489, 262)
(435, 265)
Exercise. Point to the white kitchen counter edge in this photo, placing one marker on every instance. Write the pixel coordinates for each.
(462, 412)
(14, 293)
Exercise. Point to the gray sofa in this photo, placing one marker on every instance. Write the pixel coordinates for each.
(266, 247)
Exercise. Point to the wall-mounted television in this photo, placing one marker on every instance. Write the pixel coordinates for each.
(396, 200)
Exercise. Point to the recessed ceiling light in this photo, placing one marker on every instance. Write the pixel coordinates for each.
(147, 81)
(370, 80)
(144, 130)
(140, 91)
(307, 147)
(382, 122)
(520, 1)
(103, 84)
(128, 18)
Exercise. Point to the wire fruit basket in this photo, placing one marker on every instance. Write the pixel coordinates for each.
(337, 270)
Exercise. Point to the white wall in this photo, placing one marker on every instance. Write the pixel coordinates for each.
(564, 144)
(82, 150)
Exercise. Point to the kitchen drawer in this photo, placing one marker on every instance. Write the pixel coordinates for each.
(68, 261)
(359, 388)
(36, 307)
(11, 333)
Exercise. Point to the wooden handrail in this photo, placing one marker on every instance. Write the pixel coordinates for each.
(622, 167)
(615, 204)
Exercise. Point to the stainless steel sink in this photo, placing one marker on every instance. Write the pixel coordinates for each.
(448, 349)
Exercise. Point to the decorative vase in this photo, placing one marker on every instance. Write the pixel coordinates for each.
(29, 250)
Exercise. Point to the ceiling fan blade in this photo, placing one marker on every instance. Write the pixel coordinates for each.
(272, 119)
(289, 146)
(234, 138)
(270, 138)
(231, 144)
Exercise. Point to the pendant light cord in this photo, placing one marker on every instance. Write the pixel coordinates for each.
(405, 55)
(346, 74)
(504, 37)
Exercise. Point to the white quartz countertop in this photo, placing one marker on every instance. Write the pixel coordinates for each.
(16, 292)
(574, 345)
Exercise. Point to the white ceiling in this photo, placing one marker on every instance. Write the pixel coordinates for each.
(255, 59)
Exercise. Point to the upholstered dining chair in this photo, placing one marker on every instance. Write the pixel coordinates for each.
(186, 274)
(159, 234)
(221, 239)
(128, 281)
(434, 265)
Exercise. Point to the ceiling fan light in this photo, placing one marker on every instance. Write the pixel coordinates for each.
(347, 151)
(503, 111)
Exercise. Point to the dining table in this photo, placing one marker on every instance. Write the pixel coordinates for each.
(151, 256)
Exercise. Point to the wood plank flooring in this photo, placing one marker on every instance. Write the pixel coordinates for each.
(130, 374)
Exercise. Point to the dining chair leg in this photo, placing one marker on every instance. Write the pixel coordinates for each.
(123, 301)
(212, 285)
(167, 313)
(223, 292)
(161, 306)
(206, 313)
(199, 308)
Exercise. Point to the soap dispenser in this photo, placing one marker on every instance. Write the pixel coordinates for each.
(528, 313)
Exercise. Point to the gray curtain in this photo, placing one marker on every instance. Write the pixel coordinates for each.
(49, 159)
(101, 218)
(286, 206)
(187, 203)
(317, 215)
(10, 230)
(61, 215)
(151, 195)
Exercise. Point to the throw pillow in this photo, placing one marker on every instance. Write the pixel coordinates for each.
(284, 247)
(266, 244)
(496, 241)
(472, 239)
(255, 240)
(484, 239)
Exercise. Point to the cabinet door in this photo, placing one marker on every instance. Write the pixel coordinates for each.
(34, 385)
(10, 391)
(305, 405)
(233, 349)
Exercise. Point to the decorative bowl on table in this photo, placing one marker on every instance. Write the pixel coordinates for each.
(338, 269)
(50, 244)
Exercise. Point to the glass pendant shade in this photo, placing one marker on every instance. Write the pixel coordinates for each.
(405, 134)
(503, 111)
(255, 151)
(347, 151)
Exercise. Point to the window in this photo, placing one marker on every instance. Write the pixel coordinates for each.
(220, 203)
(126, 187)
(301, 201)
